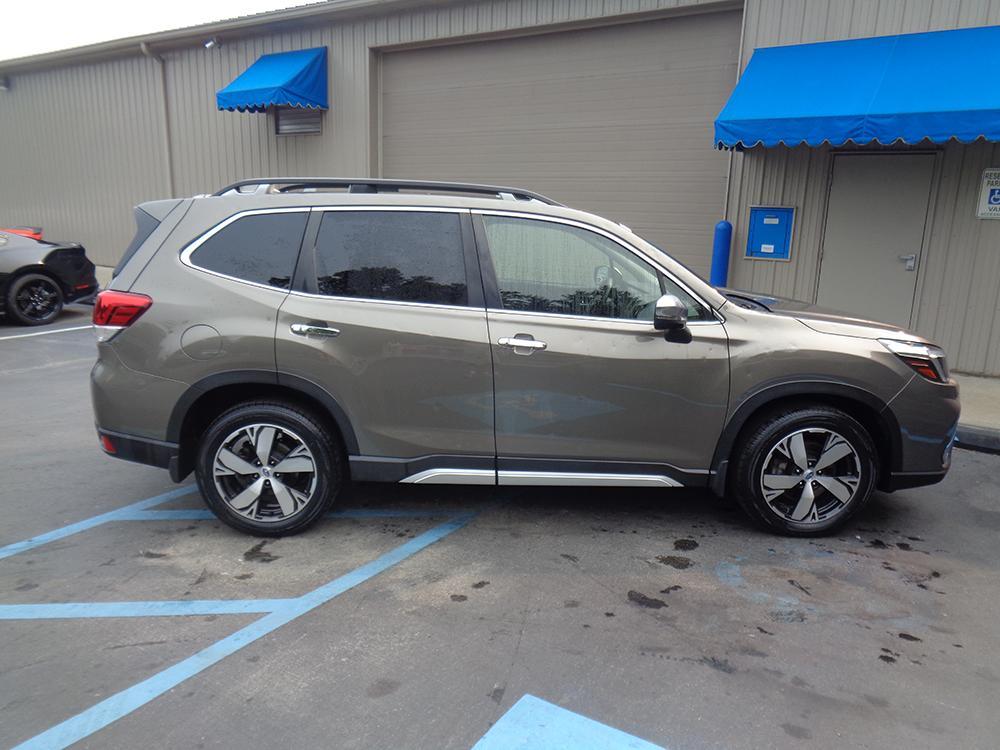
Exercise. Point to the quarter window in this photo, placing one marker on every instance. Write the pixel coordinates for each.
(405, 256)
(261, 248)
(546, 267)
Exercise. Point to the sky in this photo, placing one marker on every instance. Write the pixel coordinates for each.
(34, 26)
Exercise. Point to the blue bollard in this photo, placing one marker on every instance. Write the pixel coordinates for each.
(720, 253)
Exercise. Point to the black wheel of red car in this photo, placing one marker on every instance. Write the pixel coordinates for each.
(34, 299)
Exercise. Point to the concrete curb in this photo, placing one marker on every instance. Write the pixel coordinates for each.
(978, 438)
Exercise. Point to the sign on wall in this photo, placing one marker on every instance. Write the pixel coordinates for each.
(770, 233)
(989, 195)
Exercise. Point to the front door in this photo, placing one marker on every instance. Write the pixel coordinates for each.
(874, 231)
(587, 391)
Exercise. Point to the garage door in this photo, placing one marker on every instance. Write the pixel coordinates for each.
(615, 120)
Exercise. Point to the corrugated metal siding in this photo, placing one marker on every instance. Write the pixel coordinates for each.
(958, 295)
(79, 146)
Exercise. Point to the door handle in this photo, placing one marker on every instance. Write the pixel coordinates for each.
(909, 261)
(310, 329)
(522, 341)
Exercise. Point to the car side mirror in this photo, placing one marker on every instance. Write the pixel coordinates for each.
(670, 314)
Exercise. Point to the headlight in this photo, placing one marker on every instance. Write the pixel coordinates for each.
(926, 359)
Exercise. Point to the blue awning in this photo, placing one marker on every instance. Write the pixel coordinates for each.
(913, 87)
(282, 79)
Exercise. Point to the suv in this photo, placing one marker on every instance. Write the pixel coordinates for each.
(285, 336)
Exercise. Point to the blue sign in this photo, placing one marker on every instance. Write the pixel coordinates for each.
(769, 236)
(994, 199)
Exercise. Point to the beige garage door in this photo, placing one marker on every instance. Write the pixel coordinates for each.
(615, 120)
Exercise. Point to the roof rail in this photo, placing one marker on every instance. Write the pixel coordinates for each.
(367, 185)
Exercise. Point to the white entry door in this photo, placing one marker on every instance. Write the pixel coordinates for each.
(874, 230)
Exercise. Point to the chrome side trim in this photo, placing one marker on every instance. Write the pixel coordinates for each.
(452, 476)
(584, 479)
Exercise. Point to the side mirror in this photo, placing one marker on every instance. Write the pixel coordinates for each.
(670, 314)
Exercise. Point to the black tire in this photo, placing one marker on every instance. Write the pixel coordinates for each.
(762, 448)
(34, 300)
(235, 430)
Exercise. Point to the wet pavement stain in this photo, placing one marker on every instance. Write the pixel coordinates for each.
(571, 558)
(257, 553)
(642, 600)
(721, 665)
(480, 584)
(152, 555)
(685, 545)
(878, 544)
(668, 589)
(911, 638)
(571, 604)
(26, 587)
(243, 576)
(675, 561)
(459, 597)
(799, 733)
(800, 587)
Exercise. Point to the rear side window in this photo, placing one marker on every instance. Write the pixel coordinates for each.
(261, 248)
(404, 256)
(145, 225)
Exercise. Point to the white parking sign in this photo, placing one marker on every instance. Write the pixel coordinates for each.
(989, 195)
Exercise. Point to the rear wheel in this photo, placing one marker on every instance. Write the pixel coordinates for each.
(805, 472)
(268, 468)
(34, 300)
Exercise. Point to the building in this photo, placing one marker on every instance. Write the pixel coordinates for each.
(606, 105)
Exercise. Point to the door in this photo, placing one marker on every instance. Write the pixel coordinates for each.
(874, 231)
(611, 120)
(390, 326)
(587, 391)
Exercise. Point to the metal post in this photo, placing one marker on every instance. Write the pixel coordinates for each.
(720, 253)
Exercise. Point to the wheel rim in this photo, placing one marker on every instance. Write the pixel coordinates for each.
(37, 299)
(810, 476)
(265, 473)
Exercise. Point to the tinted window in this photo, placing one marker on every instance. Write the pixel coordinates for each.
(408, 256)
(556, 268)
(260, 248)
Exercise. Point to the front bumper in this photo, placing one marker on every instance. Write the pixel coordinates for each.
(927, 414)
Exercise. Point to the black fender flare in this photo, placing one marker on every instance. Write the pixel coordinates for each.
(776, 391)
(263, 377)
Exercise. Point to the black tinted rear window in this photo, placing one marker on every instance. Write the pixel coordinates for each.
(261, 248)
(144, 226)
(407, 256)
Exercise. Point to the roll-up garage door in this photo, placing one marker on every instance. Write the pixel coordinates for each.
(615, 120)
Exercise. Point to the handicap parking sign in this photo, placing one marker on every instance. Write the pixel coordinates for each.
(994, 199)
(989, 195)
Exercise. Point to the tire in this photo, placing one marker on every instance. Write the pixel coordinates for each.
(34, 300)
(804, 472)
(257, 497)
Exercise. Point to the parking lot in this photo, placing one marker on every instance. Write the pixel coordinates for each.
(417, 617)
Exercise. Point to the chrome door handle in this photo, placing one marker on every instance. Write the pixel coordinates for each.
(909, 261)
(521, 343)
(308, 329)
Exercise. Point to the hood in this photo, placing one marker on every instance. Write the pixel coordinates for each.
(819, 318)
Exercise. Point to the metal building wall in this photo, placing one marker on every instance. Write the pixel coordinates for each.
(958, 295)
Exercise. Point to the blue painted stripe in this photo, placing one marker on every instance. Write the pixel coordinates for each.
(197, 514)
(182, 514)
(534, 724)
(120, 704)
(89, 523)
(176, 608)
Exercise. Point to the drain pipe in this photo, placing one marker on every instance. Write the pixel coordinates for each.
(168, 157)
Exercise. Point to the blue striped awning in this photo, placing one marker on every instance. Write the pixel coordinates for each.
(934, 86)
(282, 79)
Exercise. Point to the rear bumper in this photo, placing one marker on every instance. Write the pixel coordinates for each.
(138, 450)
(902, 480)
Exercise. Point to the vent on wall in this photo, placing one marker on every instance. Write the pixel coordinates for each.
(297, 121)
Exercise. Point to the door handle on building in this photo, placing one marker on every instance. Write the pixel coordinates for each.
(909, 261)
(516, 342)
(309, 329)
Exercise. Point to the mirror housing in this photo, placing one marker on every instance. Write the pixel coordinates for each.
(670, 314)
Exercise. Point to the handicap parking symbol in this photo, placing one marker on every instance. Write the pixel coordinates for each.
(994, 197)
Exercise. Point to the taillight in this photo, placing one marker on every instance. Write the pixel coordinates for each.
(926, 360)
(119, 309)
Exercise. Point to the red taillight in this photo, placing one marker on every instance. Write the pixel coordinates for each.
(108, 445)
(119, 309)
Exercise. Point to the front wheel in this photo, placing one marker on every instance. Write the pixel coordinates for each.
(806, 471)
(269, 469)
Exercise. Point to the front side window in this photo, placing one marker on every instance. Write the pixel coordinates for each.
(261, 248)
(547, 267)
(402, 256)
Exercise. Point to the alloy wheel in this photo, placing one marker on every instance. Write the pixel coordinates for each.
(265, 472)
(810, 476)
(37, 300)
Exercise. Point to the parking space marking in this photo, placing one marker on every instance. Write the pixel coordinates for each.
(535, 724)
(176, 608)
(44, 333)
(126, 701)
(121, 514)
(201, 514)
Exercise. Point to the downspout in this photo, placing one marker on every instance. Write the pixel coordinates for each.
(168, 157)
(739, 71)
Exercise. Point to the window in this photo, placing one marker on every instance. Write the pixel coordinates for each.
(297, 121)
(261, 248)
(547, 267)
(406, 256)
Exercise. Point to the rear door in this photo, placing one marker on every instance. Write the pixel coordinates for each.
(587, 391)
(390, 322)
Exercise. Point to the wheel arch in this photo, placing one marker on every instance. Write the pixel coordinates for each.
(867, 408)
(28, 270)
(205, 400)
